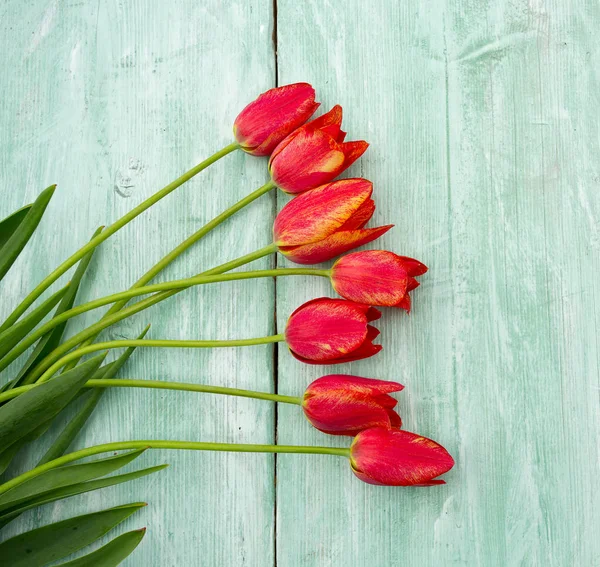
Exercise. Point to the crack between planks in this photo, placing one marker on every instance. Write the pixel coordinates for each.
(450, 221)
(275, 346)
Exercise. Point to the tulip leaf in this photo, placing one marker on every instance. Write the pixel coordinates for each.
(10, 224)
(21, 415)
(68, 434)
(55, 541)
(23, 231)
(52, 339)
(6, 386)
(112, 553)
(12, 335)
(74, 490)
(65, 476)
(9, 453)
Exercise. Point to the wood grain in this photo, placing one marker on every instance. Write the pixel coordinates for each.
(485, 140)
(484, 130)
(112, 100)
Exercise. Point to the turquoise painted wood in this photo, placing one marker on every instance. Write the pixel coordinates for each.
(113, 100)
(485, 140)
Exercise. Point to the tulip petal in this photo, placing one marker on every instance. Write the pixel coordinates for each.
(373, 314)
(398, 458)
(311, 158)
(354, 384)
(332, 246)
(272, 116)
(374, 277)
(361, 217)
(346, 417)
(395, 419)
(353, 150)
(404, 303)
(366, 350)
(333, 130)
(334, 116)
(412, 283)
(413, 267)
(325, 329)
(319, 213)
(386, 401)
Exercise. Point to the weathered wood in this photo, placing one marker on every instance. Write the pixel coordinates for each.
(484, 129)
(113, 100)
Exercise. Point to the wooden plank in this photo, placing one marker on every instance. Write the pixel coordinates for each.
(484, 130)
(112, 100)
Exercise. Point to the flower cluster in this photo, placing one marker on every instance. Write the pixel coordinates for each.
(326, 219)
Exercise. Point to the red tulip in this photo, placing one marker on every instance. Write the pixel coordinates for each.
(345, 405)
(327, 221)
(376, 277)
(314, 154)
(395, 457)
(272, 116)
(332, 331)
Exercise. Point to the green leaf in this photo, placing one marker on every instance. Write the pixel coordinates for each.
(8, 454)
(112, 553)
(12, 335)
(22, 233)
(74, 490)
(52, 339)
(68, 434)
(10, 224)
(6, 386)
(24, 413)
(65, 476)
(55, 541)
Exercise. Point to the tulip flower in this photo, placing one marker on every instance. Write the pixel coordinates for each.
(345, 405)
(326, 222)
(272, 116)
(376, 277)
(394, 457)
(314, 154)
(332, 331)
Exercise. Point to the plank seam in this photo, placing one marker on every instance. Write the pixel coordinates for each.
(275, 346)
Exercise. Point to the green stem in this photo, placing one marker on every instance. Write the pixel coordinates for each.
(160, 385)
(165, 444)
(177, 251)
(94, 330)
(134, 292)
(109, 231)
(156, 343)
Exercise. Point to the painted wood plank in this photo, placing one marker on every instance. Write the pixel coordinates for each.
(112, 100)
(484, 130)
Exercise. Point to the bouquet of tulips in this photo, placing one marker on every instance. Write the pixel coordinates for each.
(325, 219)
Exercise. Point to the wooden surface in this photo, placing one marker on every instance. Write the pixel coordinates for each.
(483, 120)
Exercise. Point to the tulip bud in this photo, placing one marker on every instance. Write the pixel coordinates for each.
(345, 405)
(394, 457)
(272, 116)
(326, 222)
(314, 154)
(332, 331)
(376, 277)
